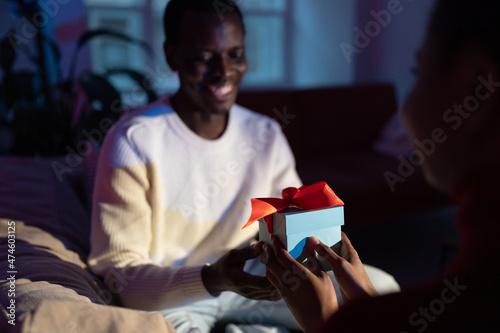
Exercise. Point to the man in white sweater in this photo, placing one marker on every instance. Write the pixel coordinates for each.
(173, 188)
(175, 179)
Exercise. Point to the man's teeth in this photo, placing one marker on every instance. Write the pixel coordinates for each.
(221, 91)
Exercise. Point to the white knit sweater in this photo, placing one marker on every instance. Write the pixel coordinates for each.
(166, 201)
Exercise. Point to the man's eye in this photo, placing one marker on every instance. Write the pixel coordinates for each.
(203, 57)
(237, 54)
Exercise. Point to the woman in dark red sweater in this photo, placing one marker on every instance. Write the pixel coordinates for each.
(454, 108)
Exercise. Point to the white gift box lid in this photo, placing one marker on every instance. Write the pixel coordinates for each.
(296, 220)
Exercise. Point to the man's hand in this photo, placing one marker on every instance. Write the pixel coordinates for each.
(227, 274)
(309, 293)
(348, 269)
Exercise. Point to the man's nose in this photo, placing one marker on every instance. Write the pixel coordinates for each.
(220, 67)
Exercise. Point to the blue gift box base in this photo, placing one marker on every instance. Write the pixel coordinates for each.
(293, 225)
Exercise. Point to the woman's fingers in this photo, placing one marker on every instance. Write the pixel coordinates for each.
(312, 260)
(287, 262)
(273, 269)
(283, 270)
(325, 251)
(314, 264)
(347, 251)
(282, 255)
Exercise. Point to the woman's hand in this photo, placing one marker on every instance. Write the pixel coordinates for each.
(348, 269)
(227, 274)
(309, 293)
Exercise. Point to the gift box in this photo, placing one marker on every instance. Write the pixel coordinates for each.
(293, 225)
(311, 210)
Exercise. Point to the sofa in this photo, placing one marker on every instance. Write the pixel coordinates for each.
(332, 132)
(45, 284)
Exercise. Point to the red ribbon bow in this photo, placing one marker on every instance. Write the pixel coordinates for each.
(315, 196)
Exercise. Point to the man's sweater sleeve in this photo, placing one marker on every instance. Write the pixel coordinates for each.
(122, 231)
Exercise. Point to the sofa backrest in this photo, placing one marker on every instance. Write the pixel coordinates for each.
(32, 192)
(326, 120)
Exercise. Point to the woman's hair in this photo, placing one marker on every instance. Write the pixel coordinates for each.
(457, 23)
(176, 8)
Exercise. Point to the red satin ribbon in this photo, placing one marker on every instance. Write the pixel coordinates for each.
(315, 196)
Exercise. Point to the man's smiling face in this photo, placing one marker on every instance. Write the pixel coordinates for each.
(210, 60)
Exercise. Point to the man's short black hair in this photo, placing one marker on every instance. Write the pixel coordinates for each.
(176, 8)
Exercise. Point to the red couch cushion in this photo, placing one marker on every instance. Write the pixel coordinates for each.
(344, 119)
(326, 120)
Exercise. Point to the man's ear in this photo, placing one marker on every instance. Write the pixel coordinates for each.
(168, 49)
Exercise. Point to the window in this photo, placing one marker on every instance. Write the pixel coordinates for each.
(266, 22)
(267, 40)
(110, 53)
